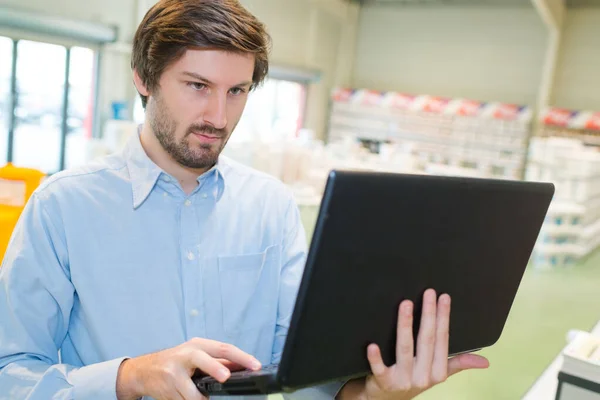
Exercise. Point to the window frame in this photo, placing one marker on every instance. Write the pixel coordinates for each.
(15, 36)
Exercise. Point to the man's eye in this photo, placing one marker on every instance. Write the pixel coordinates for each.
(237, 91)
(197, 85)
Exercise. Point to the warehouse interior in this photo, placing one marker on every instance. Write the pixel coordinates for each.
(502, 89)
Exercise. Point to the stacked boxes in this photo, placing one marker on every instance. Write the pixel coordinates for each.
(572, 228)
(16, 187)
(490, 139)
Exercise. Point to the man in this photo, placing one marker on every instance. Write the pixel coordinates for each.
(124, 277)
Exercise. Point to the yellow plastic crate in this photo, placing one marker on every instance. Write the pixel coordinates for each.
(16, 187)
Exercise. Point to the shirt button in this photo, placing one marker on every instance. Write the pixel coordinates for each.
(205, 196)
(165, 194)
(188, 203)
(166, 179)
(194, 313)
(190, 256)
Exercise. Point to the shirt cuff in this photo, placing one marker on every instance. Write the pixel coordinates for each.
(96, 381)
(335, 388)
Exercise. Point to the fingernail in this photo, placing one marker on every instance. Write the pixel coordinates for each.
(256, 364)
(372, 349)
(408, 308)
(223, 373)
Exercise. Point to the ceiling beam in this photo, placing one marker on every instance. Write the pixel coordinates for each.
(552, 12)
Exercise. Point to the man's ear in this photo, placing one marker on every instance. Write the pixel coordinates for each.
(139, 84)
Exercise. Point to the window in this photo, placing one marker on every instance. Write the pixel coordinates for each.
(53, 107)
(6, 52)
(81, 105)
(38, 114)
(274, 111)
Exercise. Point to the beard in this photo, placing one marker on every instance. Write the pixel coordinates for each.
(196, 156)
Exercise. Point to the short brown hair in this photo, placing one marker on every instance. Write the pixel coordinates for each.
(172, 26)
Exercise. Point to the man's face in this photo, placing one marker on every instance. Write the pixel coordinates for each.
(199, 101)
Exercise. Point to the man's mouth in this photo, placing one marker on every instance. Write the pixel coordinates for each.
(207, 138)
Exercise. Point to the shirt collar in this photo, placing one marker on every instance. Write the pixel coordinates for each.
(144, 173)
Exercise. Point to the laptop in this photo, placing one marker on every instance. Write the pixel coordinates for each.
(381, 238)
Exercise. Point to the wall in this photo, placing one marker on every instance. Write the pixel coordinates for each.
(558, 10)
(577, 84)
(493, 54)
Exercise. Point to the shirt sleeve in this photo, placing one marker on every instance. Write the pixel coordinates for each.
(36, 297)
(294, 258)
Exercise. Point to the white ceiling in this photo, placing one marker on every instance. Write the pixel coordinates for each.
(494, 3)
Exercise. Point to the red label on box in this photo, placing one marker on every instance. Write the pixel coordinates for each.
(371, 98)
(435, 105)
(506, 111)
(402, 101)
(557, 117)
(593, 123)
(342, 95)
(469, 108)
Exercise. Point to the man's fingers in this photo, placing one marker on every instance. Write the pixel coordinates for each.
(439, 371)
(466, 361)
(378, 368)
(227, 351)
(231, 365)
(209, 365)
(426, 340)
(405, 348)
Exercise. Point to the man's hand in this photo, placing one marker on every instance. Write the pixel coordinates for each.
(166, 375)
(411, 375)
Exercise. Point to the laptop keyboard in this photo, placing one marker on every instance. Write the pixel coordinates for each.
(265, 370)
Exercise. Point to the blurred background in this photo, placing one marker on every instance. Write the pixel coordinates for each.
(508, 89)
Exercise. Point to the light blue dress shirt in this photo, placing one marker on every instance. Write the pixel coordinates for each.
(114, 260)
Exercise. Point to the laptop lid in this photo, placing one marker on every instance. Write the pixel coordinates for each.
(381, 238)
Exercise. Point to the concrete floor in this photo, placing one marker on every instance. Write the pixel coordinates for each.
(549, 303)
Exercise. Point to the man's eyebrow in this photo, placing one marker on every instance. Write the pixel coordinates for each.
(198, 77)
(203, 79)
(247, 83)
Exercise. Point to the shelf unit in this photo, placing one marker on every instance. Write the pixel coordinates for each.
(488, 138)
(565, 151)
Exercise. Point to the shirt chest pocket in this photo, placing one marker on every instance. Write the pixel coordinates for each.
(249, 286)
